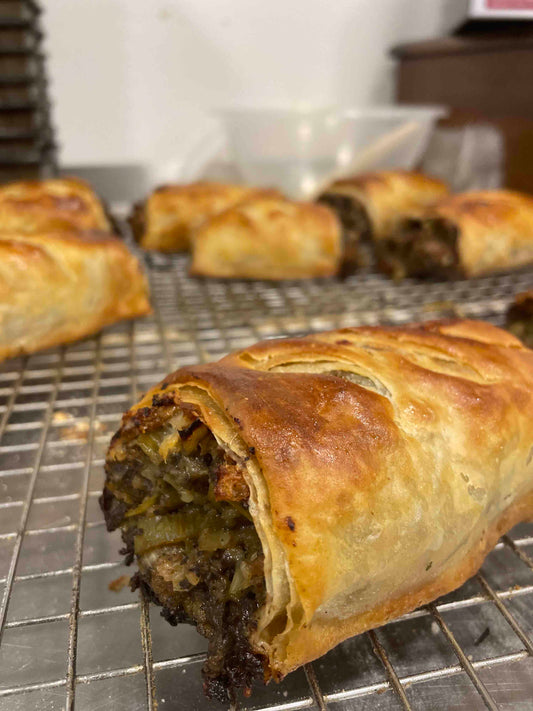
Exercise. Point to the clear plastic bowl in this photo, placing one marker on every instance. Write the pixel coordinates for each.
(300, 150)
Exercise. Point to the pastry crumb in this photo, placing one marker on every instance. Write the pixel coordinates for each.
(80, 430)
(119, 584)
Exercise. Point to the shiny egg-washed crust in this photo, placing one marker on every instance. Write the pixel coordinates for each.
(36, 206)
(167, 218)
(371, 497)
(388, 195)
(269, 237)
(56, 287)
(494, 227)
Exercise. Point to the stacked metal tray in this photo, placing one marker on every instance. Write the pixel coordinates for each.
(27, 147)
(69, 641)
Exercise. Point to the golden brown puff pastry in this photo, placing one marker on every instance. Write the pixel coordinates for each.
(171, 213)
(370, 205)
(302, 491)
(466, 235)
(520, 317)
(49, 205)
(269, 237)
(56, 287)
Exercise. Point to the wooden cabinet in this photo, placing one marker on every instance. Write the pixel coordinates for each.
(486, 78)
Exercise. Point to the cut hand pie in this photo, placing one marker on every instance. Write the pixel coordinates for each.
(465, 235)
(301, 491)
(370, 205)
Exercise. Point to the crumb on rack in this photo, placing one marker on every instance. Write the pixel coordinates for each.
(120, 583)
(80, 430)
(447, 308)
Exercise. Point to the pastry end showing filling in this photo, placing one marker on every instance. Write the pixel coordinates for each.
(420, 248)
(520, 320)
(137, 221)
(356, 227)
(182, 505)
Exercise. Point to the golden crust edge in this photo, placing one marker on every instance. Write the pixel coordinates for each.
(71, 335)
(308, 643)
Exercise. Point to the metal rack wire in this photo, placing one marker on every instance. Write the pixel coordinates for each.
(68, 641)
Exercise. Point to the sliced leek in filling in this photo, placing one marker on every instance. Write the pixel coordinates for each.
(182, 504)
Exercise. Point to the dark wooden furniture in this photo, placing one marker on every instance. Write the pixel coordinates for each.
(485, 76)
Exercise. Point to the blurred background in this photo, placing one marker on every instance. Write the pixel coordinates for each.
(133, 81)
(135, 86)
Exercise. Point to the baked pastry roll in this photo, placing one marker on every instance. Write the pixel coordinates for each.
(166, 219)
(48, 205)
(301, 491)
(465, 235)
(520, 317)
(269, 237)
(56, 287)
(370, 205)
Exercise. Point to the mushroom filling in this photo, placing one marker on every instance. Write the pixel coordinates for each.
(420, 248)
(520, 321)
(355, 223)
(137, 220)
(182, 505)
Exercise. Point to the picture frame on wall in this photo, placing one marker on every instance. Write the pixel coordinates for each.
(501, 9)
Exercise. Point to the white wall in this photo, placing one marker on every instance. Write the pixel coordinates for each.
(132, 80)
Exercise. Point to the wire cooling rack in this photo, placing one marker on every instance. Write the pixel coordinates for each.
(69, 641)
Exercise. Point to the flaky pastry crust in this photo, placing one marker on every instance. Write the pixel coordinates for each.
(56, 287)
(383, 464)
(169, 216)
(269, 237)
